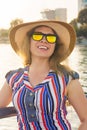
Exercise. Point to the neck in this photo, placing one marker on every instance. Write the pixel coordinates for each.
(39, 65)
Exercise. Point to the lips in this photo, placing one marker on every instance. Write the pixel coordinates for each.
(43, 47)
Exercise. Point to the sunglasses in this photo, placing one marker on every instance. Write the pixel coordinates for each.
(51, 38)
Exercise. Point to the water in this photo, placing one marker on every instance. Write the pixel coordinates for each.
(78, 61)
(9, 60)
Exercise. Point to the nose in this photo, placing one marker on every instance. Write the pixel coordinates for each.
(44, 39)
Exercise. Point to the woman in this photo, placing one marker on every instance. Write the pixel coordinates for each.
(40, 89)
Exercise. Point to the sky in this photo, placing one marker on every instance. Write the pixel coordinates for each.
(29, 10)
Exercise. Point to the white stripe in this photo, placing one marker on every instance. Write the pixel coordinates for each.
(62, 98)
(55, 104)
(39, 113)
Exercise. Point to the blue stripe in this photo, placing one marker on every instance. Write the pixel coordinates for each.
(50, 99)
(45, 110)
(37, 126)
(51, 108)
(23, 108)
(59, 111)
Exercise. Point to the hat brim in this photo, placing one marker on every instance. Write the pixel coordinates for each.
(64, 30)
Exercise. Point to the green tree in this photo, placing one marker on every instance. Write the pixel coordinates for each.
(3, 33)
(83, 31)
(16, 22)
(74, 23)
(82, 16)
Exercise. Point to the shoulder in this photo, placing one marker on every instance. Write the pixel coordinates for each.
(74, 74)
(15, 73)
(68, 73)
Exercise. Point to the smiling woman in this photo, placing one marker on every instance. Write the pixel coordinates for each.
(40, 89)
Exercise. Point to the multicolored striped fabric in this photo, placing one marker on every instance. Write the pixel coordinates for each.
(41, 107)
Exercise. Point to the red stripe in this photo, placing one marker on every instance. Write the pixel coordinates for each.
(55, 91)
(42, 110)
(13, 77)
(17, 84)
(20, 108)
(30, 88)
(64, 84)
(34, 128)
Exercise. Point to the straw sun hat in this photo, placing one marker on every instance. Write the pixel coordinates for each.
(64, 30)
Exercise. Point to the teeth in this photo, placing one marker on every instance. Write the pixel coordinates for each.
(43, 47)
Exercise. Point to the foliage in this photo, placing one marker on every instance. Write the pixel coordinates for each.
(3, 33)
(83, 31)
(82, 16)
(16, 22)
(74, 24)
(80, 23)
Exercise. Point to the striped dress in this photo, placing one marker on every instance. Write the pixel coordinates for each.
(42, 107)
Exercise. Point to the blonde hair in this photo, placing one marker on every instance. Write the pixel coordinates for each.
(25, 49)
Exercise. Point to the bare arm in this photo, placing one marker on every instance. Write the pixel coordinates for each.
(5, 95)
(78, 101)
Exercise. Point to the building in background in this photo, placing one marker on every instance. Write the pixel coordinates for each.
(61, 14)
(57, 14)
(82, 4)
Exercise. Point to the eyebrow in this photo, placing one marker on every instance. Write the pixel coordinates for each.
(44, 33)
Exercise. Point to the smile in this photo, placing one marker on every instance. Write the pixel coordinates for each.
(43, 47)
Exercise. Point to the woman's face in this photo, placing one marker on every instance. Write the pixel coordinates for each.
(42, 48)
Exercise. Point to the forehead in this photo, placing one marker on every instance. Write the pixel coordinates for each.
(44, 28)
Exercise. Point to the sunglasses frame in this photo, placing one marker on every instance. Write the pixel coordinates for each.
(44, 35)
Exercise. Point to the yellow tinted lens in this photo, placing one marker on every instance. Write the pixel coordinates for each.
(51, 39)
(37, 37)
